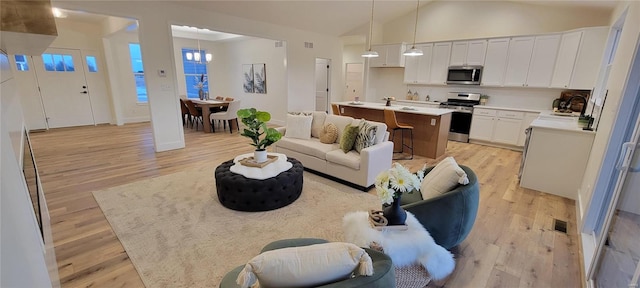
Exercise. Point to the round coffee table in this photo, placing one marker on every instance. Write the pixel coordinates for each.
(245, 194)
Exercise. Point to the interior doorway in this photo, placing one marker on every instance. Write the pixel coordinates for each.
(323, 76)
(354, 81)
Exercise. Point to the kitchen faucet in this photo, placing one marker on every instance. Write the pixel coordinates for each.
(567, 104)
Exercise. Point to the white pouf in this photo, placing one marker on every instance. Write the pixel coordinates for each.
(269, 171)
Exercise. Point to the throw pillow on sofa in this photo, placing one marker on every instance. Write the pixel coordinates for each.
(329, 133)
(348, 138)
(366, 136)
(298, 126)
(443, 178)
(306, 266)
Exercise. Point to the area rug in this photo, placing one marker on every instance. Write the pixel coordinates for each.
(177, 234)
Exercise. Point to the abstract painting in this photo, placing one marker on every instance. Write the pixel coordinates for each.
(247, 75)
(260, 78)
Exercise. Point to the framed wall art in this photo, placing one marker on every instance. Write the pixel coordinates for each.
(260, 78)
(247, 78)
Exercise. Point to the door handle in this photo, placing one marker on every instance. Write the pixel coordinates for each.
(84, 87)
(625, 158)
(84, 92)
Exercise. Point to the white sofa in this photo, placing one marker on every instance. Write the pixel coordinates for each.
(356, 168)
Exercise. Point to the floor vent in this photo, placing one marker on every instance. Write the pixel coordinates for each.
(560, 225)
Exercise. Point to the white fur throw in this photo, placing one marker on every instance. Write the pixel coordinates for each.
(415, 245)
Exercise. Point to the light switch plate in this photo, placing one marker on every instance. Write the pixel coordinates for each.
(433, 122)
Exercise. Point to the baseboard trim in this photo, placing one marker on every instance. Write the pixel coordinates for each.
(493, 144)
(170, 146)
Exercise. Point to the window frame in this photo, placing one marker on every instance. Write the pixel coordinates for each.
(203, 71)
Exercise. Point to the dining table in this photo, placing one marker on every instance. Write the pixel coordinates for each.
(206, 106)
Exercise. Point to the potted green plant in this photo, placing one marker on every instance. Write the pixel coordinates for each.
(585, 121)
(256, 126)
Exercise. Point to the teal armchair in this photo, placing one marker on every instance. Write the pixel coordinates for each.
(448, 217)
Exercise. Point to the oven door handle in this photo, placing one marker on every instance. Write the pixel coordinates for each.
(463, 111)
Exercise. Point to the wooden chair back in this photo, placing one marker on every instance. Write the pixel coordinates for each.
(228, 99)
(335, 108)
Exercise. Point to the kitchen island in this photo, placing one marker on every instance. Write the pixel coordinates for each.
(430, 125)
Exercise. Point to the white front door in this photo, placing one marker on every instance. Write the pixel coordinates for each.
(322, 84)
(95, 73)
(64, 88)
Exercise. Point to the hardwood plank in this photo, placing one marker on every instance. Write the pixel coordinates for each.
(513, 227)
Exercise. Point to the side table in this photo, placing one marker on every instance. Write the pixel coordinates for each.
(240, 193)
(405, 247)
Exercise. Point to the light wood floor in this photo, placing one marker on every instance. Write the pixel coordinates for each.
(511, 245)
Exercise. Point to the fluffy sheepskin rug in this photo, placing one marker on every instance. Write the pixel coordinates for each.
(415, 245)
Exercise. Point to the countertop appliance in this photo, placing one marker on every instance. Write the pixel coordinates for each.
(462, 103)
(464, 75)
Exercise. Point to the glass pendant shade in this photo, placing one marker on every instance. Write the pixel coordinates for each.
(208, 57)
(196, 56)
(189, 56)
(370, 54)
(413, 52)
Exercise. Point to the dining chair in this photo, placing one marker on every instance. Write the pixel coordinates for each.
(196, 115)
(186, 116)
(230, 114)
(228, 99)
(219, 98)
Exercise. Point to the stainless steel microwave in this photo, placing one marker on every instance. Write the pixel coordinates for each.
(464, 75)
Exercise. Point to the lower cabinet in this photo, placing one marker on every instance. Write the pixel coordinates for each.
(504, 127)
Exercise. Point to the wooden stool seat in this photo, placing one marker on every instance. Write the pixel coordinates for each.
(392, 123)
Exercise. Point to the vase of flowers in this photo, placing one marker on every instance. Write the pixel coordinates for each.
(391, 184)
(256, 122)
(200, 85)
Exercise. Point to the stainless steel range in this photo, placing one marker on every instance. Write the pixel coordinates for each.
(463, 103)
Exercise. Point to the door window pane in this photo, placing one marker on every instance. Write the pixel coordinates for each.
(138, 72)
(58, 62)
(68, 63)
(91, 64)
(22, 64)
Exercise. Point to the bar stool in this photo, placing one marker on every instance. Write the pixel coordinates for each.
(335, 108)
(392, 123)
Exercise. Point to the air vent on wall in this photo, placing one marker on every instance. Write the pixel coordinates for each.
(560, 226)
(308, 44)
(278, 44)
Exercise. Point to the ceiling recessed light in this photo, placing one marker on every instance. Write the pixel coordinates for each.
(58, 13)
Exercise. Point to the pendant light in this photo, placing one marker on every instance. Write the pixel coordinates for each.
(197, 57)
(414, 51)
(369, 53)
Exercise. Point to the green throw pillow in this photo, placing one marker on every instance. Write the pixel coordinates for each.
(366, 136)
(348, 137)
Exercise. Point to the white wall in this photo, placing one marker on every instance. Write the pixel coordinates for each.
(22, 255)
(450, 20)
(616, 83)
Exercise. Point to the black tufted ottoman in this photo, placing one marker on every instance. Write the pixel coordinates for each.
(244, 194)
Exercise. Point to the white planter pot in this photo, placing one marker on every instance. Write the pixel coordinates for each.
(260, 156)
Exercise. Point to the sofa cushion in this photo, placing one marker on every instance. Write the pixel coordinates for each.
(298, 126)
(443, 178)
(351, 159)
(311, 147)
(340, 122)
(366, 136)
(317, 123)
(381, 129)
(329, 133)
(348, 138)
(306, 266)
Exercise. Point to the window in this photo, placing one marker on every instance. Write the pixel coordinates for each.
(58, 62)
(138, 72)
(91, 64)
(194, 73)
(22, 64)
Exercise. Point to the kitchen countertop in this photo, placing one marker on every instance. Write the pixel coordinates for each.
(418, 102)
(398, 108)
(565, 123)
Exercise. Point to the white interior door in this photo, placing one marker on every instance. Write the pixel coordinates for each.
(63, 88)
(25, 75)
(322, 84)
(95, 74)
(354, 81)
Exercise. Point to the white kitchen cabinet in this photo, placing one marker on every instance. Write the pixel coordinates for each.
(390, 55)
(468, 53)
(418, 68)
(543, 59)
(506, 131)
(440, 63)
(481, 127)
(526, 122)
(566, 59)
(495, 62)
(520, 50)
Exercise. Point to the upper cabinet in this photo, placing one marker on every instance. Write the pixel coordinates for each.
(417, 69)
(468, 53)
(390, 55)
(520, 50)
(579, 58)
(495, 62)
(440, 63)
